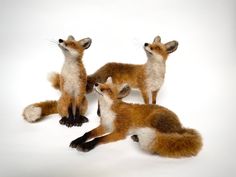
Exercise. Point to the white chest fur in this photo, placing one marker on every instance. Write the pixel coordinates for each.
(107, 115)
(155, 73)
(70, 73)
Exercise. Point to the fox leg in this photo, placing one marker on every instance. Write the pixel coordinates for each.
(37, 111)
(63, 107)
(154, 96)
(99, 131)
(145, 96)
(81, 105)
(114, 136)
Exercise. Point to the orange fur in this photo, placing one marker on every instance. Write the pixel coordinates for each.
(134, 75)
(73, 73)
(170, 138)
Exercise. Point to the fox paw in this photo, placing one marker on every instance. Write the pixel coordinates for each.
(85, 147)
(79, 120)
(63, 120)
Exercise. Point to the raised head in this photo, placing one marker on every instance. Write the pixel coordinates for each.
(72, 48)
(157, 49)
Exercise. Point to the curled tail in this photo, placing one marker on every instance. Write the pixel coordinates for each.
(100, 76)
(186, 143)
(54, 78)
(37, 111)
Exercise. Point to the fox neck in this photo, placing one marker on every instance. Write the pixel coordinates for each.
(156, 59)
(73, 59)
(105, 101)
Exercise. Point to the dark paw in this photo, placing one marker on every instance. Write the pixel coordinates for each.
(70, 122)
(75, 143)
(83, 119)
(135, 138)
(63, 121)
(87, 146)
(79, 140)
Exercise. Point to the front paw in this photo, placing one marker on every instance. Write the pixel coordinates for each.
(83, 119)
(70, 122)
(63, 120)
(79, 120)
(85, 147)
(79, 140)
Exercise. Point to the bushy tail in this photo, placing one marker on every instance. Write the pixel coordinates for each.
(183, 144)
(37, 111)
(100, 76)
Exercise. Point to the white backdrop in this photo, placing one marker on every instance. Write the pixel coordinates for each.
(199, 86)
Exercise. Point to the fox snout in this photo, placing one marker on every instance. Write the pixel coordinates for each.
(60, 40)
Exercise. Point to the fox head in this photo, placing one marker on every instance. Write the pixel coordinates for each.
(111, 91)
(157, 49)
(72, 48)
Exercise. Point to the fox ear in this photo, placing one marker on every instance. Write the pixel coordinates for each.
(157, 39)
(70, 38)
(124, 91)
(171, 46)
(86, 42)
(109, 80)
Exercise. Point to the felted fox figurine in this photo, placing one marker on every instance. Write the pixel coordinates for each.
(156, 129)
(148, 78)
(72, 81)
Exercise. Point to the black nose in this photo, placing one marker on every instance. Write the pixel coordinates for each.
(146, 44)
(60, 40)
(96, 84)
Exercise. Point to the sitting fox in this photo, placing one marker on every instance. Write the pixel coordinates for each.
(156, 129)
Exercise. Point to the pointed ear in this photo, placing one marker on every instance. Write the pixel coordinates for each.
(70, 38)
(157, 39)
(171, 46)
(86, 42)
(109, 80)
(124, 91)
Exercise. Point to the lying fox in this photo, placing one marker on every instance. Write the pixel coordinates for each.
(156, 129)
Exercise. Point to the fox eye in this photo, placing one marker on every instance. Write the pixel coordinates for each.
(151, 48)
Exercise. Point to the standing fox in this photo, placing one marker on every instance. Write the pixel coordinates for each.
(156, 128)
(148, 78)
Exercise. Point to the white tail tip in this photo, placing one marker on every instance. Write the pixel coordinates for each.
(32, 113)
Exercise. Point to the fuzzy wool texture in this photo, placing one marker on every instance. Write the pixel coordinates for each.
(107, 114)
(155, 73)
(32, 113)
(71, 75)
